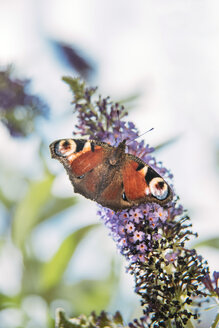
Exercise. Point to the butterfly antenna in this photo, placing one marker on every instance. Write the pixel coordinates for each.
(141, 135)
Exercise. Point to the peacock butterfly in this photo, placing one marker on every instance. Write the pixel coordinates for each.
(108, 175)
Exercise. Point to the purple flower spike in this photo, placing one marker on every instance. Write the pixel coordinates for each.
(149, 236)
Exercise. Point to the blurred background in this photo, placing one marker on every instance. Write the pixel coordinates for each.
(159, 58)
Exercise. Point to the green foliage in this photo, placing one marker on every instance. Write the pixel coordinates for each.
(44, 280)
(53, 270)
(54, 206)
(8, 301)
(212, 242)
(30, 210)
(92, 321)
(5, 201)
(92, 295)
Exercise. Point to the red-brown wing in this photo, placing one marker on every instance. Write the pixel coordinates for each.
(114, 184)
(111, 195)
(112, 192)
(83, 161)
(143, 183)
(134, 181)
(78, 155)
(87, 161)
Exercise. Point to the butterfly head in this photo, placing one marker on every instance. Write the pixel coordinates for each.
(118, 154)
(122, 145)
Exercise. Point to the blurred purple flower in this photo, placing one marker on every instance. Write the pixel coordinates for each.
(18, 107)
(71, 56)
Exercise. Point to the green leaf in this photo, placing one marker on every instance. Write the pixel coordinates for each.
(91, 295)
(8, 301)
(38, 205)
(31, 276)
(5, 201)
(212, 242)
(54, 206)
(88, 294)
(53, 270)
(28, 211)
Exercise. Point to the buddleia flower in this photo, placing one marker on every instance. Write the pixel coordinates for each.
(167, 274)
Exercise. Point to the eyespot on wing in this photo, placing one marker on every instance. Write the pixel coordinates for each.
(159, 188)
(63, 148)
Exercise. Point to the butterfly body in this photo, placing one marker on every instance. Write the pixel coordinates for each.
(108, 175)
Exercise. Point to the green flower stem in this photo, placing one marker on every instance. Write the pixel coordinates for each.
(214, 324)
(189, 324)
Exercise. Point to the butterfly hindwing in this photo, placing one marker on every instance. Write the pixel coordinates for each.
(112, 194)
(133, 180)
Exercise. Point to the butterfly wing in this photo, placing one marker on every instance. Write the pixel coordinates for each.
(81, 158)
(91, 174)
(142, 184)
(107, 175)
